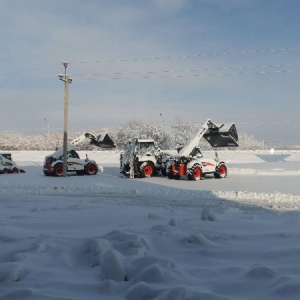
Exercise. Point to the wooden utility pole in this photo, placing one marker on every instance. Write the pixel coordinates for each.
(67, 81)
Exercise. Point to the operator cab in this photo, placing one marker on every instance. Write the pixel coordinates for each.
(146, 145)
(73, 154)
(7, 155)
(196, 152)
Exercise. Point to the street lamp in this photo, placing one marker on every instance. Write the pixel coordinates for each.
(163, 126)
(48, 133)
(67, 81)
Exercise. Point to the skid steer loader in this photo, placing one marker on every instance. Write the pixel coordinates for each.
(190, 162)
(53, 163)
(7, 165)
(141, 158)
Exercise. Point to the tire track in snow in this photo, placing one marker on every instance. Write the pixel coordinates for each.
(163, 196)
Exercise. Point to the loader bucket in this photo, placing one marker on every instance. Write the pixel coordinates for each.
(222, 136)
(103, 141)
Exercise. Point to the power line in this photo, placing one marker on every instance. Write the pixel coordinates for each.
(165, 73)
(41, 81)
(148, 75)
(271, 123)
(115, 124)
(30, 69)
(189, 70)
(243, 52)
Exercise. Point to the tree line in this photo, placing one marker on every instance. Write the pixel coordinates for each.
(179, 133)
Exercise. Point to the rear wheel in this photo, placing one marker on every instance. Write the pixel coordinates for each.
(195, 173)
(58, 170)
(147, 169)
(221, 171)
(126, 170)
(171, 174)
(14, 170)
(163, 168)
(91, 169)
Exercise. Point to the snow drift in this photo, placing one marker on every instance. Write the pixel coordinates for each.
(109, 237)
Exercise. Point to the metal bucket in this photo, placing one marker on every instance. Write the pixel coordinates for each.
(222, 136)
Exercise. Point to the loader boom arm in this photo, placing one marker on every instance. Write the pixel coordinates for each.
(223, 135)
(102, 140)
(188, 148)
(80, 139)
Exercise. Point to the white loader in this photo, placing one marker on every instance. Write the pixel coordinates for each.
(190, 162)
(53, 163)
(141, 158)
(7, 165)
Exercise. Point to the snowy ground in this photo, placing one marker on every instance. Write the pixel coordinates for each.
(109, 237)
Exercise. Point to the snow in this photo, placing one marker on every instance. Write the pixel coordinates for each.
(110, 237)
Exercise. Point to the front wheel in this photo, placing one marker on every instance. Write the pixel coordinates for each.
(195, 173)
(14, 170)
(91, 169)
(126, 170)
(221, 171)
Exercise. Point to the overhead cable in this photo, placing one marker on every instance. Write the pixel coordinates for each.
(190, 75)
(188, 56)
(188, 70)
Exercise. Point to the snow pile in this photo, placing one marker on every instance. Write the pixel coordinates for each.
(275, 201)
(109, 237)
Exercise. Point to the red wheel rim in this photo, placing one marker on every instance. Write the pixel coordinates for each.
(197, 173)
(173, 169)
(91, 169)
(148, 170)
(5, 171)
(14, 170)
(222, 170)
(59, 170)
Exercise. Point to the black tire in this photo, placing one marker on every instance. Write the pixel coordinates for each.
(5, 171)
(58, 170)
(14, 170)
(172, 176)
(91, 169)
(221, 171)
(163, 168)
(147, 169)
(163, 171)
(126, 170)
(195, 173)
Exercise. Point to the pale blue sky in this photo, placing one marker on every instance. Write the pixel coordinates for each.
(228, 60)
